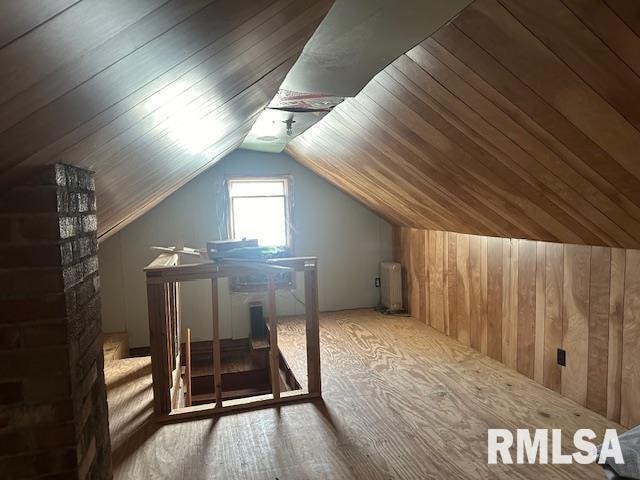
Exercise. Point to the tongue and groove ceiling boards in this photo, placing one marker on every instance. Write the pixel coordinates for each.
(146, 93)
(518, 119)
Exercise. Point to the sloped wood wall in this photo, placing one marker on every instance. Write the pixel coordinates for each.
(518, 301)
(146, 93)
(519, 119)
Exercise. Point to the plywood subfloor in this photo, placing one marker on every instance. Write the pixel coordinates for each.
(400, 401)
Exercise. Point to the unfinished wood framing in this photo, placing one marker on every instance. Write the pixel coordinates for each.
(163, 277)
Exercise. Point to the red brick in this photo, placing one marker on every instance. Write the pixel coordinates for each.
(29, 417)
(38, 362)
(36, 227)
(46, 389)
(44, 335)
(87, 460)
(27, 309)
(31, 281)
(5, 229)
(10, 392)
(13, 256)
(43, 463)
(9, 338)
(30, 199)
(44, 175)
(20, 441)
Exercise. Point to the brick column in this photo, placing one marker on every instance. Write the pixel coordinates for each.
(53, 409)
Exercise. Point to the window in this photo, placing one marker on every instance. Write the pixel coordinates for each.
(260, 208)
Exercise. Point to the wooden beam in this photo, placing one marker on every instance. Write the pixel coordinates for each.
(159, 351)
(217, 370)
(312, 329)
(246, 403)
(274, 353)
(187, 369)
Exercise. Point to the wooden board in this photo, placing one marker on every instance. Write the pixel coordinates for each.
(630, 392)
(147, 93)
(477, 306)
(436, 280)
(463, 287)
(575, 322)
(616, 319)
(382, 414)
(553, 325)
(539, 297)
(473, 131)
(539, 354)
(494, 298)
(526, 329)
(599, 295)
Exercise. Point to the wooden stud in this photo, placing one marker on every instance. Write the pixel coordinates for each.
(217, 357)
(159, 351)
(274, 353)
(187, 368)
(312, 330)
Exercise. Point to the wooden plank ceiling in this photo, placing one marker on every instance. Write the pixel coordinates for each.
(519, 119)
(147, 93)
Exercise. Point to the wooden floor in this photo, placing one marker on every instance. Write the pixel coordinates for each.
(400, 401)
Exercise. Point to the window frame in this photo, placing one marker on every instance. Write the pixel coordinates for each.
(287, 180)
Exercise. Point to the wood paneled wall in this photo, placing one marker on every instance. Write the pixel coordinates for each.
(146, 93)
(518, 301)
(518, 119)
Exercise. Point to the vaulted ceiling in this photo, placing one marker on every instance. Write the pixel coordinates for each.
(147, 93)
(518, 119)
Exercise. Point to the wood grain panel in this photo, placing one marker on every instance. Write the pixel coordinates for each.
(526, 324)
(501, 124)
(436, 280)
(599, 295)
(484, 322)
(476, 304)
(616, 319)
(543, 297)
(539, 354)
(19, 17)
(630, 393)
(147, 93)
(575, 322)
(363, 375)
(494, 297)
(553, 308)
(451, 259)
(416, 268)
(463, 289)
(510, 304)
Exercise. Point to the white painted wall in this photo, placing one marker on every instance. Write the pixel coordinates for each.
(349, 240)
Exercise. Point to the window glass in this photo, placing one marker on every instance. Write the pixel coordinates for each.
(258, 209)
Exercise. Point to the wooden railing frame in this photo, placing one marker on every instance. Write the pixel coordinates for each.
(164, 275)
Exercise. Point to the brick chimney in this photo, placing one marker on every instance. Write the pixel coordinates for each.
(53, 409)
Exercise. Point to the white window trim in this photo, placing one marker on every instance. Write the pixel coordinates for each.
(288, 200)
